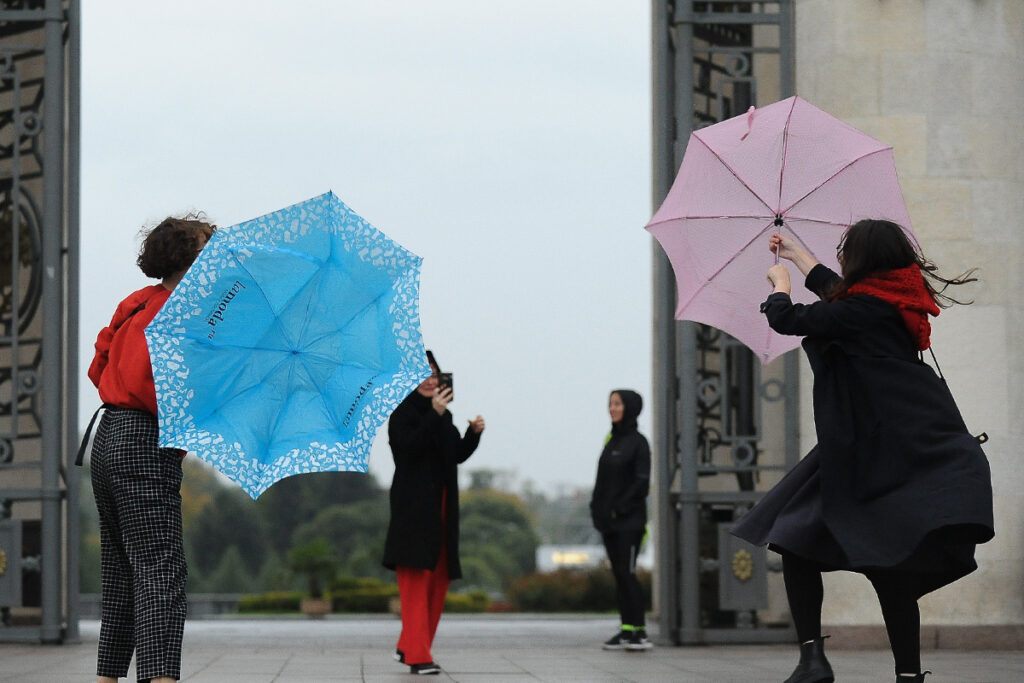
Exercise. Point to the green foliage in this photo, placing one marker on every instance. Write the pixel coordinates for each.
(296, 500)
(355, 595)
(356, 531)
(229, 519)
(275, 575)
(347, 511)
(89, 538)
(569, 590)
(473, 601)
(281, 601)
(199, 483)
(316, 561)
(477, 572)
(232, 574)
(497, 541)
(89, 563)
(563, 520)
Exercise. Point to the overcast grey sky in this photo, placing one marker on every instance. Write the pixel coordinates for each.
(507, 143)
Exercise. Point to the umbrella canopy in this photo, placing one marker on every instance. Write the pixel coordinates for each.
(787, 167)
(287, 344)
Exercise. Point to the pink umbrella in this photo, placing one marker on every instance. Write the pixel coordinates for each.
(786, 167)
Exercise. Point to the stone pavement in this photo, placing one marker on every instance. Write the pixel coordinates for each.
(474, 649)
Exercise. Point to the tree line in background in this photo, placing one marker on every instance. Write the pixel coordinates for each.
(328, 528)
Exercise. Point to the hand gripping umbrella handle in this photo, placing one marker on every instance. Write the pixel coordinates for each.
(778, 224)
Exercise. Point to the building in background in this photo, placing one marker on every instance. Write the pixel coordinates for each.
(939, 80)
(39, 65)
(554, 557)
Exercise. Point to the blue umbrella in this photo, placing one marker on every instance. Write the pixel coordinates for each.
(287, 344)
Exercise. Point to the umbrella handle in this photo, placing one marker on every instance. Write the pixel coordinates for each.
(779, 224)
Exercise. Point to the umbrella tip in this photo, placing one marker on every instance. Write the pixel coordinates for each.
(778, 220)
(750, 121)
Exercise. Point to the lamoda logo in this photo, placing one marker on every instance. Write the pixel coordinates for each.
(221, 309)
(352, 408)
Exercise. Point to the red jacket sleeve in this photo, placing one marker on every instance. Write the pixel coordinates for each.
(125, 310)
(106, 336)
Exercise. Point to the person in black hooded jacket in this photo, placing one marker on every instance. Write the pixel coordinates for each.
(618, 508)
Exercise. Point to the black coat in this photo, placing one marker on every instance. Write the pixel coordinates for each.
(896, 480)
(427, 450)
(619, 500)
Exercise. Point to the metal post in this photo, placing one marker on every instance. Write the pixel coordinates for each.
(703, 72)
(689, 513)
(686, 346)
(787, 55)
(73, 473)
(52, 237)
(791, 364)
(664, 371)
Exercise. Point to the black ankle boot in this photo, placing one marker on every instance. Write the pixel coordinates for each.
(917, 678)
(813, 667)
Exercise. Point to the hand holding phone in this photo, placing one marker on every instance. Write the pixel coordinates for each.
(444, 381)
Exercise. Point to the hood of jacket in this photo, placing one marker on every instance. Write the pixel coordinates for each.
(632, 403)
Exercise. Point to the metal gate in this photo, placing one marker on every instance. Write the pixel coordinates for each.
(38, 319)
(721, 420)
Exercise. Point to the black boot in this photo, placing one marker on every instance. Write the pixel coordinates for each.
(813, 667)
(916, 678)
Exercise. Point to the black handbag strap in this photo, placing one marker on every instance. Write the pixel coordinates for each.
(936, 361)
(983, 437)
(87, 437)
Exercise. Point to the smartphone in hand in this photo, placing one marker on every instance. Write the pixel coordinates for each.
(444, 380)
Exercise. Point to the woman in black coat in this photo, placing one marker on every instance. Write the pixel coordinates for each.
(618, 508)
(897, 488)
(422, 544)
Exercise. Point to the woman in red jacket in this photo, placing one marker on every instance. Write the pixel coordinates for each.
(137, 484)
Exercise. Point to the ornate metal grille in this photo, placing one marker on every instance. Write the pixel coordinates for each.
(38, 318)
(712, 60)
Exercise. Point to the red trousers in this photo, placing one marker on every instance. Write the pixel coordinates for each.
(422, 593)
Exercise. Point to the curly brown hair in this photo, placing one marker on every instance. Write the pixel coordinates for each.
(173, 244)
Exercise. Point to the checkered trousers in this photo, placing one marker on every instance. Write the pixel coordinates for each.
(137, 489)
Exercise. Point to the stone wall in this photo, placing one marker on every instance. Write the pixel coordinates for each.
(940, 80)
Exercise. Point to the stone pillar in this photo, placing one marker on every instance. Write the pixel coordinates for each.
(940, 80)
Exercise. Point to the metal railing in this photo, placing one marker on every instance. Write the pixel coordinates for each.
(39, 60)
(710, 61)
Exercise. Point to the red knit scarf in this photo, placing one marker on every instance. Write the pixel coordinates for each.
(904, 288)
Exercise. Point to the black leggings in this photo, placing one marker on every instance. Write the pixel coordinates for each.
(896, 596)
(622, 548)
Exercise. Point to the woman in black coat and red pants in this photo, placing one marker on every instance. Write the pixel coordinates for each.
(422, 544)
(897, 488)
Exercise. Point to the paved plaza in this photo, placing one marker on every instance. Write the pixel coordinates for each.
(473, 649)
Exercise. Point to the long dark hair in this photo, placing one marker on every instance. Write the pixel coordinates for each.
(874, 246)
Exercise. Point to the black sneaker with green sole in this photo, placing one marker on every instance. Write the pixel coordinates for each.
(638, 641)
(617, 642)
